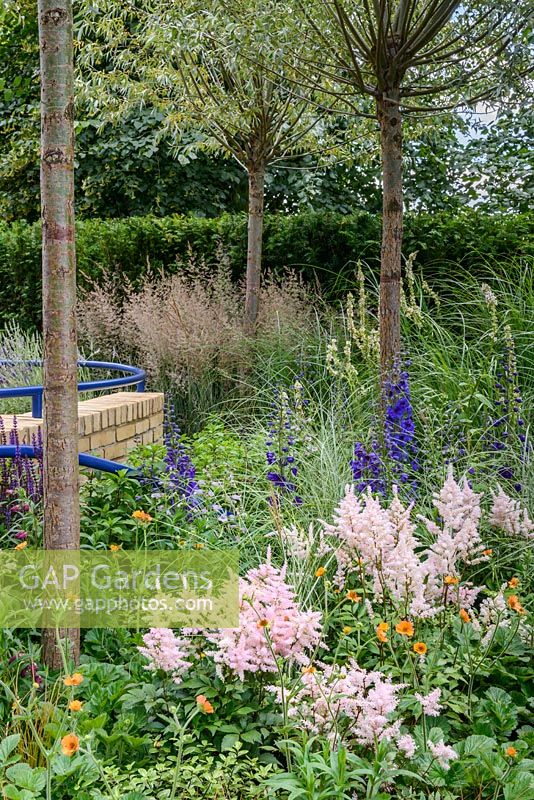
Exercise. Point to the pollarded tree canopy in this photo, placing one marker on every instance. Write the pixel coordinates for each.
(459, 52)
(230, 68)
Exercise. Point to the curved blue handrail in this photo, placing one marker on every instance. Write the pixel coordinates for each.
(85, 460)
(134, 377)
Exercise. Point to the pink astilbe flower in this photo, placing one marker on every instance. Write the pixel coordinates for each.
(345, 702)
(380, 542)
(508, 515)
(271, 626)
(493, 613)
(430, 702)
(365, 533)
(467, 595)
(442, 753)
(457, 539)
(301, 545)
(167, 652)
(403, 571)
(406, 745)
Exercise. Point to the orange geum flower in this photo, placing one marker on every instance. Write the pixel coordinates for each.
(450, 580)
(75, 705)
(511, 751)
(309, 670)
(21, 545)
(515, 605)
(488, 552)
(420, 648)
(70, 744)
(204, 704)
(381, 629)
(115, 547)
(353, 596)
(404, 627)
(464, 616)
(513, 583)
(142, 516)
(263, 623)
(320, 572)
(347, 629)
(73, 680)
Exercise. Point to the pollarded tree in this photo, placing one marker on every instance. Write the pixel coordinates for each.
(60, 451)
(409, 57)
(228, 68)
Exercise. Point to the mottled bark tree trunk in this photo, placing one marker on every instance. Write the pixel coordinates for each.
(256, 194)
(60, 465)
(389, 117)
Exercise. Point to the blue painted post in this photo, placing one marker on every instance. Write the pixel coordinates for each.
(37, 405)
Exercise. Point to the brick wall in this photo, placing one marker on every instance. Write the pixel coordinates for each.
(109, 426)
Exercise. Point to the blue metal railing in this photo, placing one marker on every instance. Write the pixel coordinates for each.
(84, 459)
(134, 377)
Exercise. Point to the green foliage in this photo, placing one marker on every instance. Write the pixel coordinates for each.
(323, 247)
(233, 776)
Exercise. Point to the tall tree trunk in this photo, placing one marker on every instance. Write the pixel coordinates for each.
(256, 199)
(60, 463)
(389, 117)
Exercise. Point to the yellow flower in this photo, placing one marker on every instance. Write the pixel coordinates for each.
(73, 680)
(199, 546)
(464, 616)
(75, 705)
(404, 627)
(320, 572)
(70, 744)
(142, 516)
(420, 648)
(513, 583)
(21, 545)
(511, 751)
(353, 595)
(115, 547)
(347, 629)
(450, 580)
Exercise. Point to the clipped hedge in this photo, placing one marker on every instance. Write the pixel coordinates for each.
(323, 246)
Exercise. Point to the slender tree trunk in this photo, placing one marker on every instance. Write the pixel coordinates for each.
(256, 199)
(60, 465)
(389, 117)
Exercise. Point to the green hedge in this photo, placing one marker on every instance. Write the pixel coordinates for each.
(323, 246)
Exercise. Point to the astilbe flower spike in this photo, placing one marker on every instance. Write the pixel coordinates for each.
(167, 652)
(457, 538)
(271, 626)
(508, 515)
(345, 703)
(382, 541)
